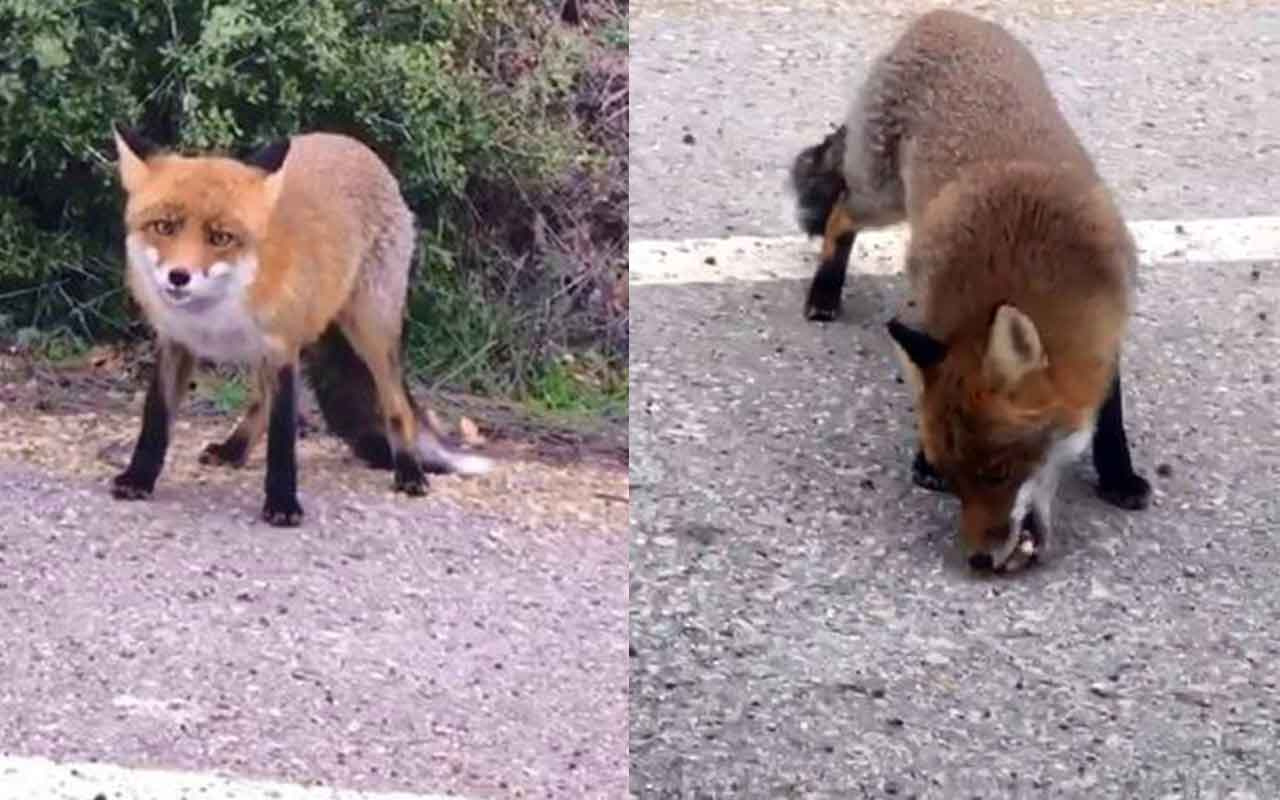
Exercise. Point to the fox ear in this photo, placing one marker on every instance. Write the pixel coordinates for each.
(916, 350)
(1013, 347)
(272, 159)
(133, 150)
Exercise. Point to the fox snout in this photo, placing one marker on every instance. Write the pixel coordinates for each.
(996, 548)
(179, 280)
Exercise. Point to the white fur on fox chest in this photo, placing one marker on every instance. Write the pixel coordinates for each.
(215, 323)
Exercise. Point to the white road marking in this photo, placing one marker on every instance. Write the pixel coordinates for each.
(42, 779)
(758, 258)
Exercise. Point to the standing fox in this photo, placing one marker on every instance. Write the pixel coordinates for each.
(301, 251)
(1020, 262)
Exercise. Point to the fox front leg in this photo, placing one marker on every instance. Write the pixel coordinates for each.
(281, 507)
(169, 381)
(1118, 483)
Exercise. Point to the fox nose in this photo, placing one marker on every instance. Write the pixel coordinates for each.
(179, 277)
(982, 562)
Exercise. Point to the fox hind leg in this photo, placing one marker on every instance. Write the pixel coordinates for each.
(377, 342)
(823, 301)
(234, 450)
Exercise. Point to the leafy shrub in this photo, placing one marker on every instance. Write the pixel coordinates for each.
(477, 106)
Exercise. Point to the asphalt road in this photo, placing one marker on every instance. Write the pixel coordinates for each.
(469, 643)
(1178, 101)
(800, 624)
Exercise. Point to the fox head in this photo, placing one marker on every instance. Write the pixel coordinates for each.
(994, 426)
(193, 224)
(817, 178)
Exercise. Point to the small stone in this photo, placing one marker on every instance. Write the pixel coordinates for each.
(1195, 696)
(1102, 690)
(1164, 470)
(688, 138)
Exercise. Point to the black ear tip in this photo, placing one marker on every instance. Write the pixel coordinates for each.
(924, 350)
(126, 132)
(141, 146)
(271, 157)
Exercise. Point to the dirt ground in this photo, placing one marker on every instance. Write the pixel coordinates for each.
(80, 418)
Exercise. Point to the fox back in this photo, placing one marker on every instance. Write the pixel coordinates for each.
(238, 260)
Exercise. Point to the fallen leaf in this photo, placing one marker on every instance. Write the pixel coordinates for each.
(470, 432)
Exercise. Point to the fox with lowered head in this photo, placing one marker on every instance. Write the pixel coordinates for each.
(1019, 261)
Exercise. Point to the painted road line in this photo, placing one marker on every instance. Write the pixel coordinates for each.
(42, 779)
(750, 258)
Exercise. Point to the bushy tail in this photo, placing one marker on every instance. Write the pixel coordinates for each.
(436, 455)
(348, 400)
(817, 178)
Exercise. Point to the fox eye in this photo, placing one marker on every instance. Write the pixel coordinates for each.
(164, 227)
(993, 475)
(220, 238)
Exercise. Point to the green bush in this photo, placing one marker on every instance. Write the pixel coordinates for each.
(474, 104)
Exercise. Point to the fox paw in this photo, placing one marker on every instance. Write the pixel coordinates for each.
(410, 478)
(128, 486)
(231, 453)
(1132, 492)
(925, 476)
(823, 302)
(282, 512)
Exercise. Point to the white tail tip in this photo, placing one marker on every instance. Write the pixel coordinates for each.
(469, 463)
(435, 454)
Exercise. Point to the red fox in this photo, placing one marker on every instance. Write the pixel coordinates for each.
(1019, 260)
(298, 254)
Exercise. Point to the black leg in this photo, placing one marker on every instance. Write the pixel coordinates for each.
(168, 382)
(281, 507)
(823, 302)
(1118, 484)
(233, 452)
(925, 476)
(409, 477)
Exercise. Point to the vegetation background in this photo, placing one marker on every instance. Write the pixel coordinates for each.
(506, 121)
